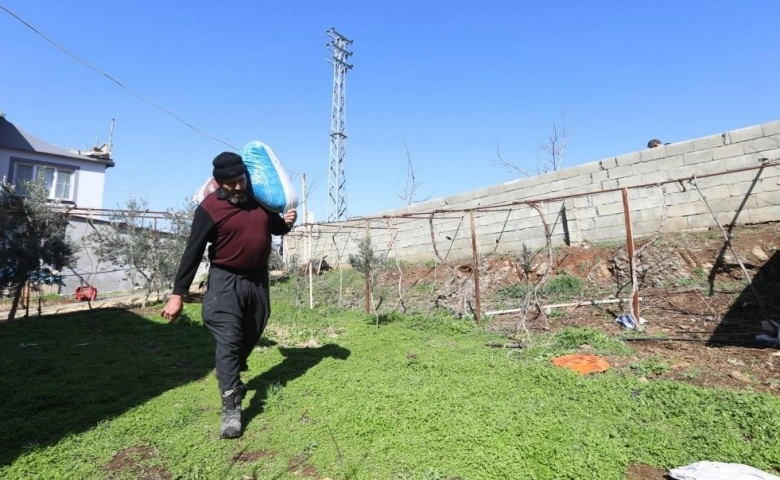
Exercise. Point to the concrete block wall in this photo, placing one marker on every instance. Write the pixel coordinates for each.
(593, 207)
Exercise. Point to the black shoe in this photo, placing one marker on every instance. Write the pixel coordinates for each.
(231, 412)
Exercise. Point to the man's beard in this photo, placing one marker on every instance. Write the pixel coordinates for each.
(237, 198)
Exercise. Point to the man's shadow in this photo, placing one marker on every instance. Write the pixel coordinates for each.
(297, 361)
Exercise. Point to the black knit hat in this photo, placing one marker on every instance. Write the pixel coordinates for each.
(228, 165)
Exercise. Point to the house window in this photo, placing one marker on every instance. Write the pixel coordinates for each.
(58, 181)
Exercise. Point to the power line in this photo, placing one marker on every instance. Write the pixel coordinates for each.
(88, 65)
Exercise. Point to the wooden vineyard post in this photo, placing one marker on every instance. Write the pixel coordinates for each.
(631, 259)
(368, 274)
(477, 304)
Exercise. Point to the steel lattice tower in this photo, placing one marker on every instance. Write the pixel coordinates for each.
(337, 184)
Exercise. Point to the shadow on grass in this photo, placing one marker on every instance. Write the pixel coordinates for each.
(297, 361)
(743, 321)
(62, 375)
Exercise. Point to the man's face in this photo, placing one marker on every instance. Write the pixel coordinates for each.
(234, 189)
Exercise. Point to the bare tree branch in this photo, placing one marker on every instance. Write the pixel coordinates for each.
(409, 191)
(554, 146)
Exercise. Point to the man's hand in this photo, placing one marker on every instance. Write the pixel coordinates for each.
(172, 308)
(290, 216)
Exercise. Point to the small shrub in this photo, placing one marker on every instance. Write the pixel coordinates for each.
(512, 292)
(651, 366)
(563, 286)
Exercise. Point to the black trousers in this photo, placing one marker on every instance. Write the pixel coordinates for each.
(235, 310)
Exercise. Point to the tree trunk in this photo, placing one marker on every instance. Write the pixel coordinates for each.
(15, 302)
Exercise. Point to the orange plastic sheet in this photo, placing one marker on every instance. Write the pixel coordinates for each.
(582, 364)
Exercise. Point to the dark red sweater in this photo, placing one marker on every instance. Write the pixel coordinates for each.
(239, 238)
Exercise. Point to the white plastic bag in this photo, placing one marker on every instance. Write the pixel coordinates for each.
(719, 471)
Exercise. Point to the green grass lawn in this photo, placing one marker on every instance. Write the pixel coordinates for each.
(110, 394)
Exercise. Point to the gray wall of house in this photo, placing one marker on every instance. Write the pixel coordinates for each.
(593, 207)
(88, 270)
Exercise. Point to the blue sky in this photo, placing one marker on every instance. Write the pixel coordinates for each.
(453, 80)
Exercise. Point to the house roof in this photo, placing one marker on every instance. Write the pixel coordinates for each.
(14, 138)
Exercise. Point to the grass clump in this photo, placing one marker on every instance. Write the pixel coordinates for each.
(542, 347)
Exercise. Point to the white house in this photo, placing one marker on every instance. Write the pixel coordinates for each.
(73, 177)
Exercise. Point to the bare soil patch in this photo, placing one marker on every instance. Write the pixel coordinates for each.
(137, 462)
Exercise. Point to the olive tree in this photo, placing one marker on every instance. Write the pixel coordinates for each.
(34, 237)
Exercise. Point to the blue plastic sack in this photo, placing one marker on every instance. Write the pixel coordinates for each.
(626, 321)
(269, 182)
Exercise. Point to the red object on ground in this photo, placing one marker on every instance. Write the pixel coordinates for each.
(86, 292)
(582, 364)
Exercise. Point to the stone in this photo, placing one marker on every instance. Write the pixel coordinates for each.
(740, 376)
(760, 254)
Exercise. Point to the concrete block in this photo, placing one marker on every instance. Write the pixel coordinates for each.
(700, 221)
(744, 188)
(531, 222)
(649, 178)
(646, 167)
(682, 173)
(628, 159)
(689, 195)
(461, 199)
(674, 224)
(648, 215)
(762, 144)
(764, 214)
(567, 173)
(679, 148)
(537, 191)
(671, 162)
(605, 198)
(772, 155)
(651, 154)
(620, 172)
(546, 177)
(558, 185)
(588, 168)
(727, 151)
(711, 181)
(502, 198)
(607, 163)
(609, 209)
(745, 134)
(770, 184)
(611, 184)
(581, 202)
(582, 213)
(768, 199)
(734, 163)
(714, 166)
(603, 221)
(698, 157)
(685, 209)
(732, 203)
(600, 176)
(645, 202)
(711, 141)
(497, 189)
(641, 229)
(608, 233)
(721, 191)
(771, 128)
